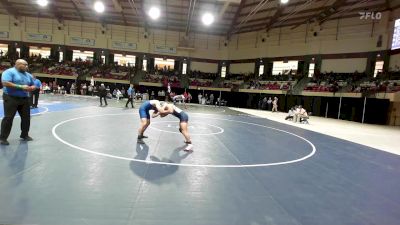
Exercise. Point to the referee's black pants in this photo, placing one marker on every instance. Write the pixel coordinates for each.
(130, 99)
(11, 105)
(35, 98)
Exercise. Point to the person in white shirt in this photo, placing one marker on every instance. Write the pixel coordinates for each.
(118, 94)
(299, 114)
(275, 105)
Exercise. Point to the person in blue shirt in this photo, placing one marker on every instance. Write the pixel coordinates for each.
(17, 83)
(131, 95)
(35, 93)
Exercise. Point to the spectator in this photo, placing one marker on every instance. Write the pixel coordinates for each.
(275, 105)
(73, 88)
(291, 113)
(35, 93)
(103, 94)
(118, 94)
(212, 99)
(300, 114)
(84, 89)
(269, 102)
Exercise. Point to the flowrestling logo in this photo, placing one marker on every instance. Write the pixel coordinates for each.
(370, 15)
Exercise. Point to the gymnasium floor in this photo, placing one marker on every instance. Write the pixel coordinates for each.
(85, 167)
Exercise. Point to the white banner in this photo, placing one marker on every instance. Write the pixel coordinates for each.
(82, 41)
(39, 37)
(3, 34)
(164, 49)
(124, 45)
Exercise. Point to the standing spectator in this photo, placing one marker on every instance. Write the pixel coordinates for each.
(212, 99)
(189, 97)
(103, 94)
(73, 88)
(17, 83)
(264, 103)
(275, 105)
(90, 90)
(84, 89)
(123, 92)
(108, 89)
(185, 95)
(269, 102)
(35, 93)
(92, 83)
(68, 87)
(199, 97)
(131, 95)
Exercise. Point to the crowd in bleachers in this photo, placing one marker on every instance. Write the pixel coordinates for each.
(270, 85)
(172, 80)
(200, 82)
(332, 82)
(321, 82)
(377, 85)
(202, 75)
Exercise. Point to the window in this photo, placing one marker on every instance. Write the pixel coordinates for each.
(261, 70)
(281, 67)
(164, 64)
(82, 55)
(184, 68)
(311, 70)
(144, 65)
(4, 49)
(378, 67)
(125, 60)
(35, 51)
(61, 57)
(223, 71)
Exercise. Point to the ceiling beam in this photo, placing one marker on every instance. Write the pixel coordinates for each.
(388, 7)
(275, 17)
(294, 4)
(273, 25)
(139, 13)
(327, 11)
(351, 8)
(118, 8)
(77, 9)
(235, 18)
(10, 9)
(192, 5)
(336, 17)
(56, 13)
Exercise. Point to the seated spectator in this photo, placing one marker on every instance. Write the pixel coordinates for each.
(300, 115)
(291, 113)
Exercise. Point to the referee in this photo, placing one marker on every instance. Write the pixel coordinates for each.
(35, 93)
(17, 83)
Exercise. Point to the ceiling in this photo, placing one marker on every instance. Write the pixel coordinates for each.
(232, 16)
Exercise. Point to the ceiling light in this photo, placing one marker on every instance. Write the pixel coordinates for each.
(207, 19)
(154, 13)
(284, 1)
(42, 3)
(99, 6)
